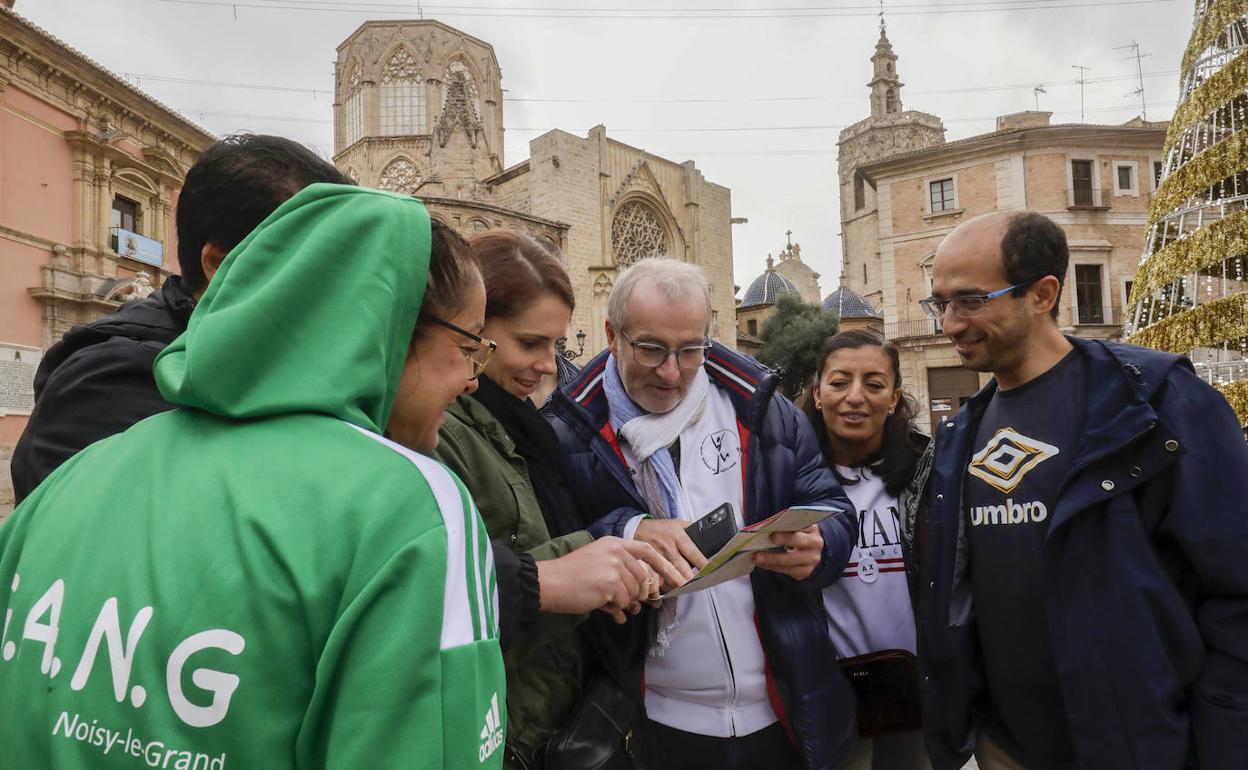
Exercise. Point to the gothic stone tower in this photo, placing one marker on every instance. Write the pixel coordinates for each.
(889, 130)
(418, 108)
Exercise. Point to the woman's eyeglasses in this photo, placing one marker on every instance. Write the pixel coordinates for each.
(479, 354)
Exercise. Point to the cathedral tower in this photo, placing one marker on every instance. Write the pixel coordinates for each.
(888, 131)
(418, 106)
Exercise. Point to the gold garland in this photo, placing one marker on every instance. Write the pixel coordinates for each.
(1237, 396)
(1209, 96)
(1217, 18)
(1226, 158)
(1211, 244)
(1204, 326)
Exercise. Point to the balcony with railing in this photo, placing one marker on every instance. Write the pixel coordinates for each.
(1087, 198)
(137, 247)
(909, 330)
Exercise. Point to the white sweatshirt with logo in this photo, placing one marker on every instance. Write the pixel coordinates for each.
(869, 607)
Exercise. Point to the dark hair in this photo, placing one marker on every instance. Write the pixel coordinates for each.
(517, 269)
(901, 448)
(1033, 247)
(452, 266)
(233, 187)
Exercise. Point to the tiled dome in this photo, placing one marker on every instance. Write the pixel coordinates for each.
(767, 288)
(847, 303)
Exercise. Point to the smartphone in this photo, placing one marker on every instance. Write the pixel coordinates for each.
(713, 531)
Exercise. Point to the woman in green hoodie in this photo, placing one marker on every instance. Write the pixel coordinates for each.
(506, 453)
(259, 578)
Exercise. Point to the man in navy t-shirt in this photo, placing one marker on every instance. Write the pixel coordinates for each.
(1084, 567)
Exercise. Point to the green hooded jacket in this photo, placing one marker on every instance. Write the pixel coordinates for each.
(259, 579)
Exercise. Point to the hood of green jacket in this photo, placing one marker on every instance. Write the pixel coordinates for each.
(312, 312)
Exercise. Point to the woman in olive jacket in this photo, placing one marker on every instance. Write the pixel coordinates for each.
(507, 456)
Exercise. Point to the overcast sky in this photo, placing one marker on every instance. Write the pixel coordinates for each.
(681, 80)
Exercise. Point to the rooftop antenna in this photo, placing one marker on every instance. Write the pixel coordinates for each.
(1139, 73)
(1083, 78)
(1036, 93)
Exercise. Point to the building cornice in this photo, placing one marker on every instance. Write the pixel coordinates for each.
(1060, 136)
(433, 23)
(103, 91)
(82, 140)
(458, 203)
(508, 174)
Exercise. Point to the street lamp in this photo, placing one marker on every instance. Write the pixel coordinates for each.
(580, 346)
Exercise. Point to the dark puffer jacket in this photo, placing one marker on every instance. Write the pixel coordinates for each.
(783, 467)
(1145, 570)
(97, 381)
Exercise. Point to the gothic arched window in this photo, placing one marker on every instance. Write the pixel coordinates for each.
(354, 123)
(637, 233)
(890, 101)
(402, 96)
(400, 176)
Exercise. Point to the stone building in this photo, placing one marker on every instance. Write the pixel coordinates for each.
(758, 304)
(91, 168)
(791, 266)
(1096, 181)
(852, 310)
(419, 109)
(788, 275)
(888, 130)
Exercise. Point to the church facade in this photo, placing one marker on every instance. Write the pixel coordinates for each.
(418, 109)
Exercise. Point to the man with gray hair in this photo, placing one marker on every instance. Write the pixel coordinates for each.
(657, 431)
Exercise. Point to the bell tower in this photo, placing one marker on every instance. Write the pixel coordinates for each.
(885, 85)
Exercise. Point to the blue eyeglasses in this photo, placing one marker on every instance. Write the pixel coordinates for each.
(967, 305)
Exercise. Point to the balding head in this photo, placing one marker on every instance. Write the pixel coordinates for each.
(1024, 245)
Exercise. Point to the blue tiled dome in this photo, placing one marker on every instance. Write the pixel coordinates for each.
(848, 304)
(767, 288)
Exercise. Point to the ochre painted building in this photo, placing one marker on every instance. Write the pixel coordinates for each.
(903, 188)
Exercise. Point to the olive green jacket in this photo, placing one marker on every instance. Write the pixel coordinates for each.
(543, 669)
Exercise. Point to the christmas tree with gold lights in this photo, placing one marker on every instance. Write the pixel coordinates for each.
(1190, 294)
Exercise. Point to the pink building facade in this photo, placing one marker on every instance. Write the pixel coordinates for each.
(90, 169)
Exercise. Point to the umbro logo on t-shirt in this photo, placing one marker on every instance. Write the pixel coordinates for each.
(492, 732)
(1007, 458)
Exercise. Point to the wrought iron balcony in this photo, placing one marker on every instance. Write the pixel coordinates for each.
(1087, 198)
(905, 330)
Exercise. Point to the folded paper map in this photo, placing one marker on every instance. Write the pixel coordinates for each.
(734, 559)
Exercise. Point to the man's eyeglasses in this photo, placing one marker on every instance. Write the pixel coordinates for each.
(967, 305)
(653, 356)
(479, 353)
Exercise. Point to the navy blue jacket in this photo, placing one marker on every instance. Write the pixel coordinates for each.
(782, 467)
(1145, 566)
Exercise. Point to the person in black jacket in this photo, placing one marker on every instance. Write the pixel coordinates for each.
(97, 381)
